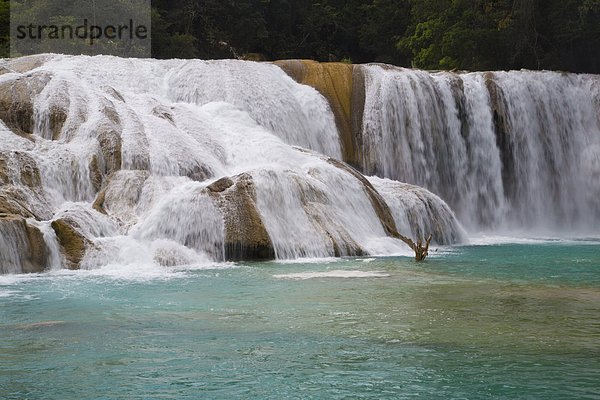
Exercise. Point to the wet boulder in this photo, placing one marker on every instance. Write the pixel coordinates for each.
(23, 247)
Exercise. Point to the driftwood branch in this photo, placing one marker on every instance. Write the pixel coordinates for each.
(421, 251)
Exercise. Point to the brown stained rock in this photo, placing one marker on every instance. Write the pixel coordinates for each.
(32, 250)
(16, 102)
(98, 204)
(4, 179)
(221, 185)
(379, 205)
(39, 253)
(24, 201)
(246, 237)
(294, 68)
(355, 158)
(95, 174)
(26, 64)
(21, 191)
(197, 172)
(72, 242)
(109, 138)
(120, 194)
(384, 213)
(57, 119)
(110, 145)
(25, 166)
(336, 82)
(30, 173)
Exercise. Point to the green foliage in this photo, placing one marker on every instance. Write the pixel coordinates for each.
(429, 34)
(4, 28)
(504, 34)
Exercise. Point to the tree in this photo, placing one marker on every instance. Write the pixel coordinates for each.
(4, 28)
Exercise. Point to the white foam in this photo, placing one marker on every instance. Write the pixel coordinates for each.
(490, 240)
(337, 274)
(316, 260)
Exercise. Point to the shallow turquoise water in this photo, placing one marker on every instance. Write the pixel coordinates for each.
(477, 322)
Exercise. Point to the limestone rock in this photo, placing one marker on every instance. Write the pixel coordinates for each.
(73, 243)
(26, 64)
(196, 172)
(16, 101)
(246, 237)
(23, 247)
(109, 160)
(24, 201)
(502, 130)
(121, 195)
(343, 86)
(18, 167)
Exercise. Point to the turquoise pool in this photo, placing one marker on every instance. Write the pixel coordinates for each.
(510, 321)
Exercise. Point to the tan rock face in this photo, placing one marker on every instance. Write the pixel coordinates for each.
(246, 237)
(21, 190)
(72, 242)
(13, 201)
(25, 64)
(121, 194)
(23, 166)
(343, 86)
(30, 254)
(16, 102)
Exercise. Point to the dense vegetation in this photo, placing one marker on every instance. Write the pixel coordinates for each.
(430, 34)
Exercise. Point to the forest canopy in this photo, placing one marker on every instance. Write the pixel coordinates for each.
(428, 34)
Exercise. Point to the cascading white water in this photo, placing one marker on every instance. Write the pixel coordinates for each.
(419, 212)
(55, 259)
(12, 241)
(127, 151)
(319, 211)
(553, 144)
(295, 113)
(511, 150)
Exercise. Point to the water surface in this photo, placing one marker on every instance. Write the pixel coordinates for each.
(476, 322)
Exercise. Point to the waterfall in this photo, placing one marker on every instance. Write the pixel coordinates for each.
(107, 161)
(419, 212)
(111, 162)
(506, 150)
